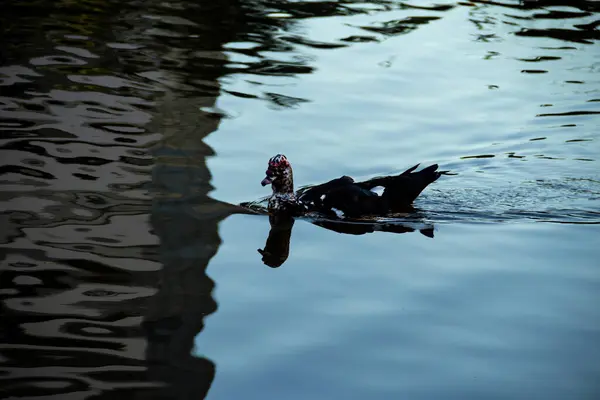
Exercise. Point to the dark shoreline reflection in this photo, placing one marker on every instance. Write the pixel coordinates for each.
(99, 303)
(277, 247)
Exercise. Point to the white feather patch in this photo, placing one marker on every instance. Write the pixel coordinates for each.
(378, 190)
(337, 212)
(322, 197)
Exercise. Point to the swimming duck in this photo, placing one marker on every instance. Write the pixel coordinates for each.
(343, 197)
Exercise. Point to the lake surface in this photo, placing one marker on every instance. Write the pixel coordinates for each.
(131, 130)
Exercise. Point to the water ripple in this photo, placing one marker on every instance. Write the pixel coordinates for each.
(105, 110)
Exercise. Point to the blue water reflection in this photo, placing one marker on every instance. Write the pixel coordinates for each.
(130, 131)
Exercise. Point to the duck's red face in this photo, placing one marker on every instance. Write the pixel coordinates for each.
(276, 170)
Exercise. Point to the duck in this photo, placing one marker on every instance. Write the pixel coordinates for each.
(343, 197)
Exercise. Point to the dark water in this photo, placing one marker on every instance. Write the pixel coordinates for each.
(129, 131)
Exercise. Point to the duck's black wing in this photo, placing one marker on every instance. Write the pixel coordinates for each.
(401, 190)
(341, 195)
(313, 194)
(356, 199)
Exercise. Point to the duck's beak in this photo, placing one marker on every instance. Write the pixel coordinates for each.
(266, 181)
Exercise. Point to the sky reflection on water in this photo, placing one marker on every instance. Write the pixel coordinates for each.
(130, 131)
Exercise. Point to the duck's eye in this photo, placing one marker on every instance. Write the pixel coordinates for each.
(269, 173)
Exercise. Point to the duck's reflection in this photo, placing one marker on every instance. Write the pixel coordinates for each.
(277, 247)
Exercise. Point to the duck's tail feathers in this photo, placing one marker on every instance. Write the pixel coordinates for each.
(429, 174)
(423, 177)
(411, 169)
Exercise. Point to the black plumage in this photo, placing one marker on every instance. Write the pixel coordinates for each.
(344, 196)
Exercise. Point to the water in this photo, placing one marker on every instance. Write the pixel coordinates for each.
(130, 131)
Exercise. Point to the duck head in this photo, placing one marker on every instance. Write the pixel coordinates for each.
(279, 175)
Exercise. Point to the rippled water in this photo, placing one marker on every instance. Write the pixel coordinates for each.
(130, 131)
